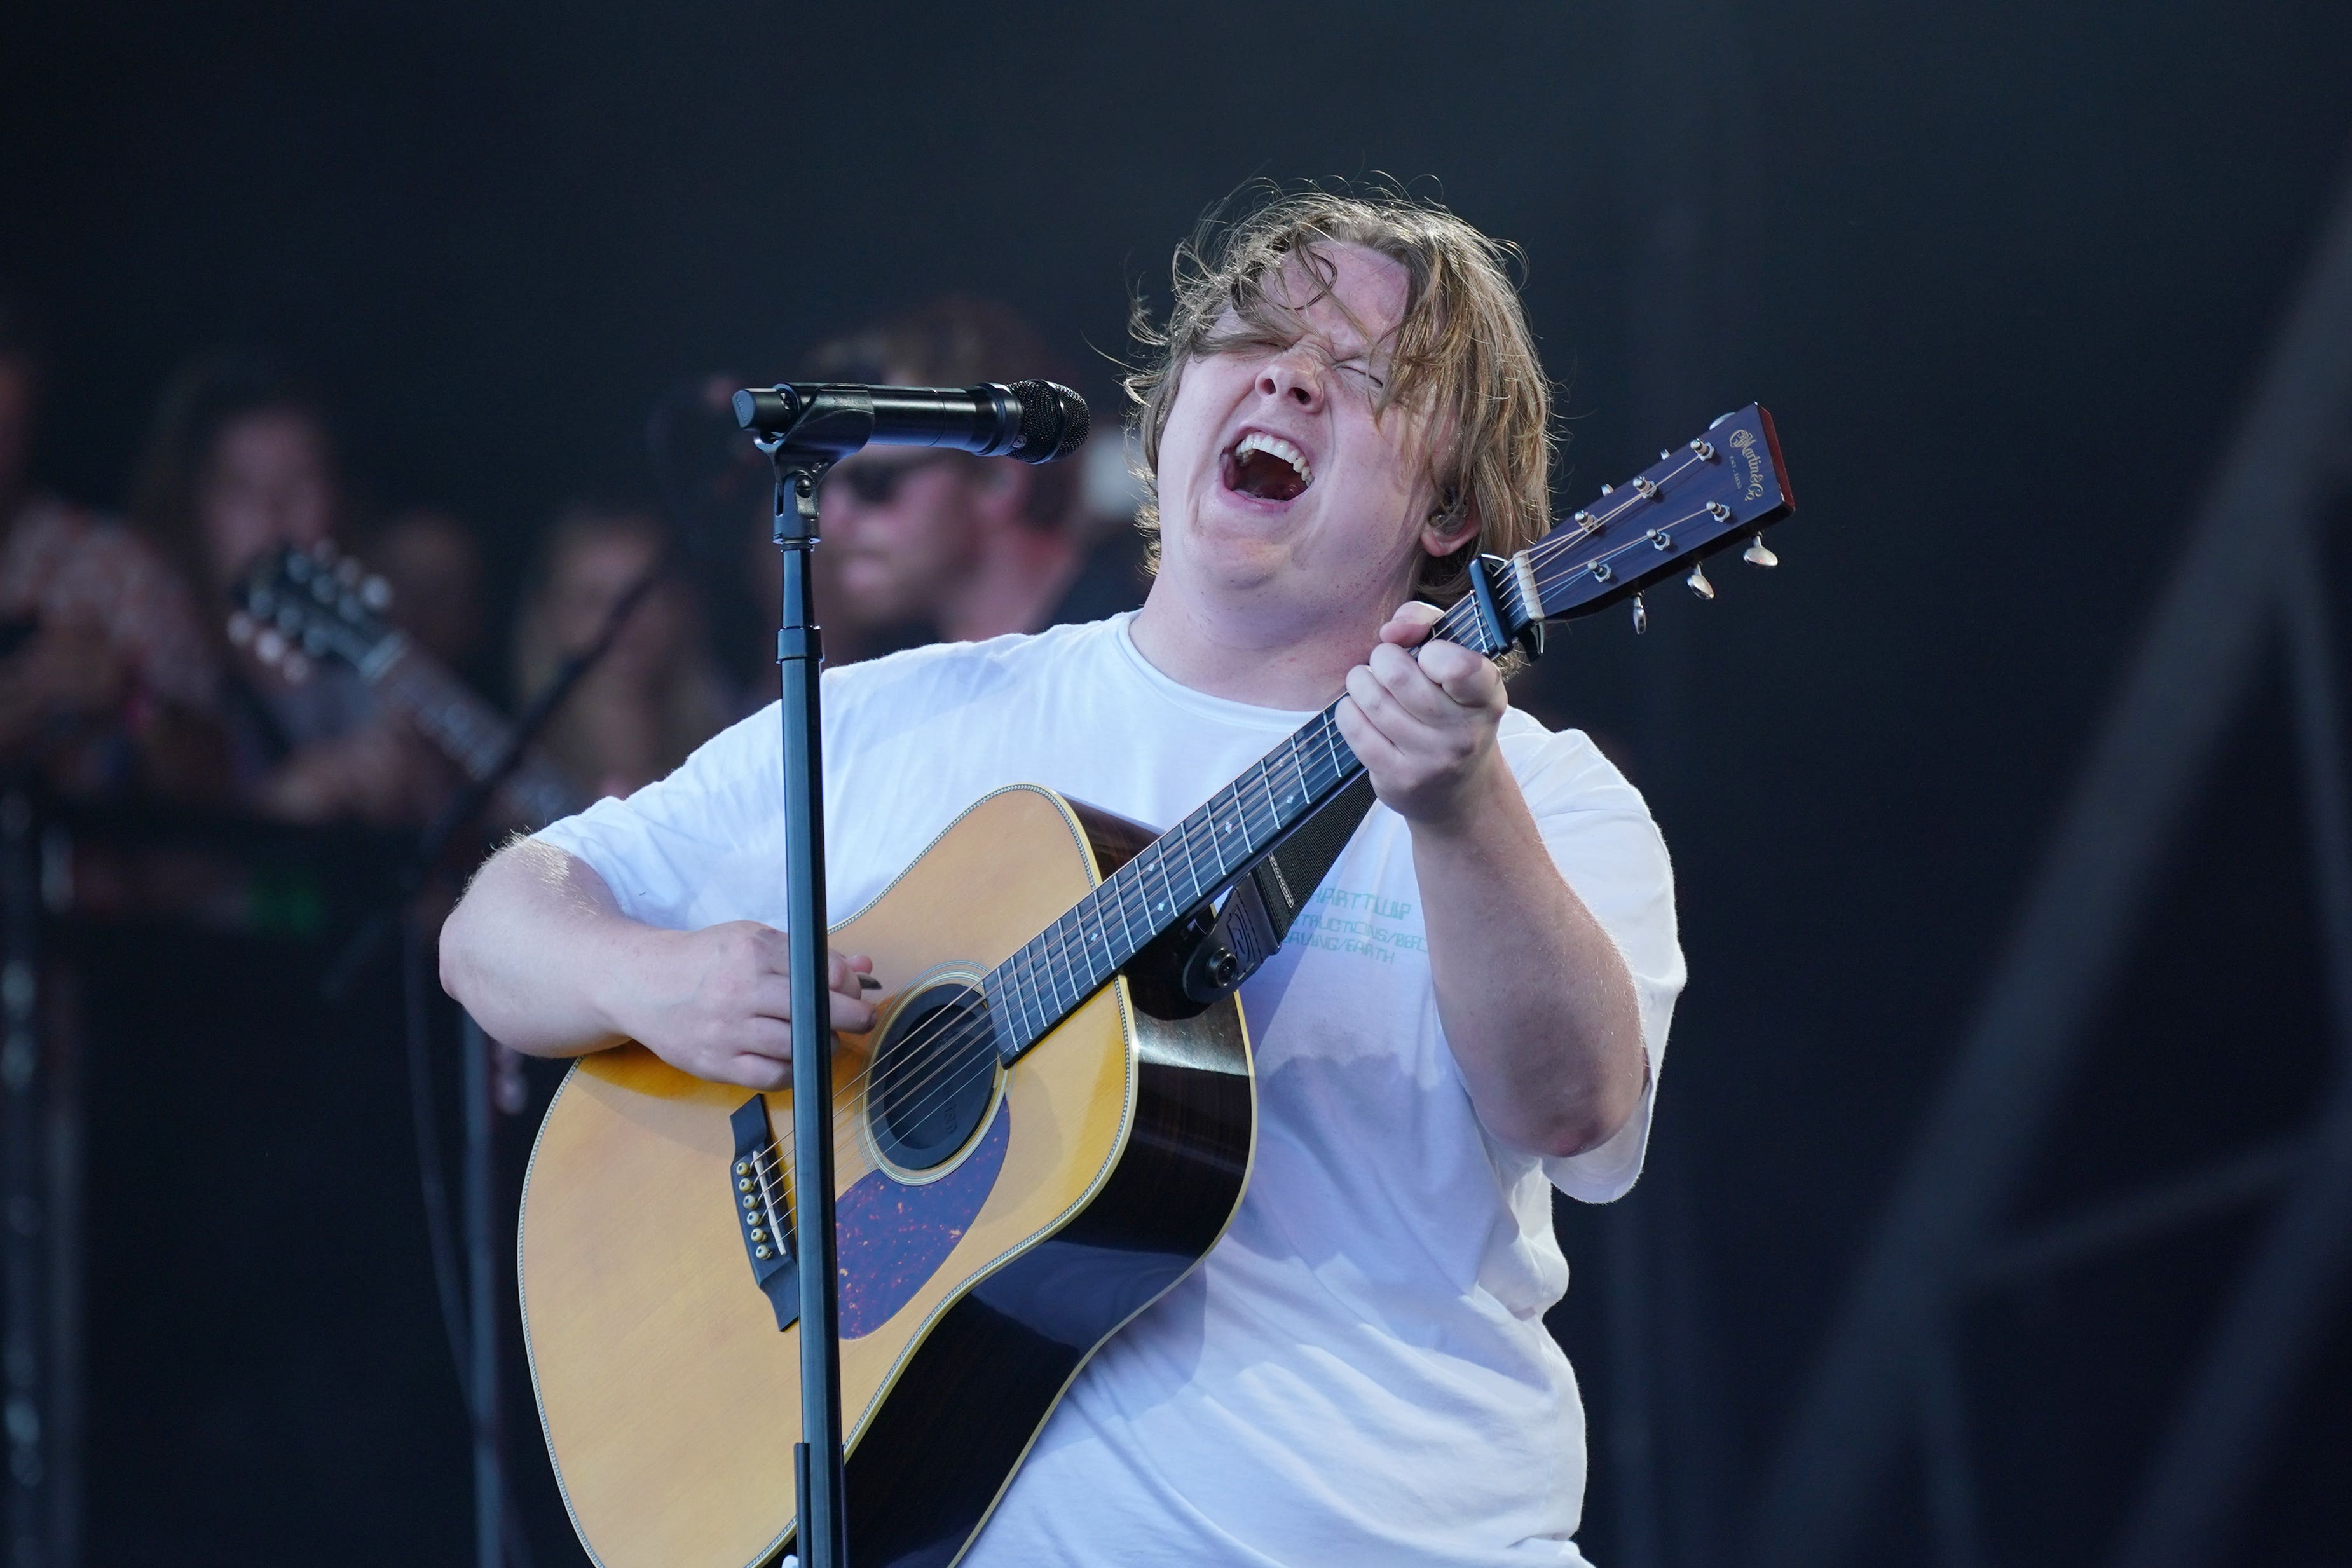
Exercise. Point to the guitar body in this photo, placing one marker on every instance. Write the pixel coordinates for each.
(1102, 1166)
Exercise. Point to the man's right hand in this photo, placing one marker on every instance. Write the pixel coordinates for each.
(717, 1002)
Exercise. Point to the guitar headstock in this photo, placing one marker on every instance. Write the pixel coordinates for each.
(1721, 489)
(300, 607)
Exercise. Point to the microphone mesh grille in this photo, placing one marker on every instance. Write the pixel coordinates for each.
(1054, 421)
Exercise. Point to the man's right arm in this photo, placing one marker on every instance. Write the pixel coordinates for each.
(541, 956)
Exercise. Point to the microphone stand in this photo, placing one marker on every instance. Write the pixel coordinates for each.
(801, 456)
(805, 432)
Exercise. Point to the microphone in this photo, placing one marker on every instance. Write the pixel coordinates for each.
(1035, 422)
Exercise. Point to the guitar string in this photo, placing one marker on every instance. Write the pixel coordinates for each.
(936, 1050)
(1124, 885)
(943, 1051)
(948, 1049)
(943, 1057)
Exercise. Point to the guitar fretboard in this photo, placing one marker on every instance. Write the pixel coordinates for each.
(1694, 501)
(1075, 956)
(463, 725)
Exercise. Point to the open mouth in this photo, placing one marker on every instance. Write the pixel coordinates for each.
(1267, 468)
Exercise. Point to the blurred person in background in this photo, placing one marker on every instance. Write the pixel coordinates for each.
(107, 683)
(962, 546)
(655, 695)
(242, 462)
(433, 564)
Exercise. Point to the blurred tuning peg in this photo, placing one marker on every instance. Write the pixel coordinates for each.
(1641, 616)
(295, 667)
(240, 630)
(377, 594)
(1698, 583)
(1757, 554)
(347, 570)
(269, 646)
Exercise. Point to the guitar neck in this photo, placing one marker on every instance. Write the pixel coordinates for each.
(466, 729)
(1695, 501)
(1193, 862)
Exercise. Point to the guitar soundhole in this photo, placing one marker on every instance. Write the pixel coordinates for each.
(933, 1077)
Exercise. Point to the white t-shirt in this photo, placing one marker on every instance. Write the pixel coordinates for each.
(1358, 1372)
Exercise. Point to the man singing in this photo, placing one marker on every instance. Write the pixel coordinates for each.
(1345, 402)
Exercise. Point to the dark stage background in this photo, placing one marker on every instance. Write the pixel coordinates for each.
(2007, 276)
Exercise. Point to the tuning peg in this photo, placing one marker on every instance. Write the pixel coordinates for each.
(1757, 554)
(295, 668)
(1641, 616)
(269, 646)
(1698, 583)
(240, 630)
(375, 593)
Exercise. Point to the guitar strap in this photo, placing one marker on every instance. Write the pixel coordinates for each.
(1265, 904)
(1289, 876)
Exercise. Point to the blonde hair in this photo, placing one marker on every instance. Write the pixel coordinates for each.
(1462, 353)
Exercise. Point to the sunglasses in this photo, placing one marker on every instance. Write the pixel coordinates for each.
(876, 484)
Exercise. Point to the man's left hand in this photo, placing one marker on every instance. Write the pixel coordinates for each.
(1424, 729)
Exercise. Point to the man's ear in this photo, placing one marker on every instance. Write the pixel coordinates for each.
(1441, 534)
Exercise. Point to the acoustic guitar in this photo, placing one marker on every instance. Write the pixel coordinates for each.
(1051, 1123)
(299, 608)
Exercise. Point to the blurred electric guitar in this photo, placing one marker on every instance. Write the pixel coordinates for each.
(297, 609)
(1051, 1123)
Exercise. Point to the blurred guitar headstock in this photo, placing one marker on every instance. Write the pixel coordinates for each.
(300, 608)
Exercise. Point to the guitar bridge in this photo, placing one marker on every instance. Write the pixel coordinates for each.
(759, 1190)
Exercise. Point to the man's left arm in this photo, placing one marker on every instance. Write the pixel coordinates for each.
(1536, 1000)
